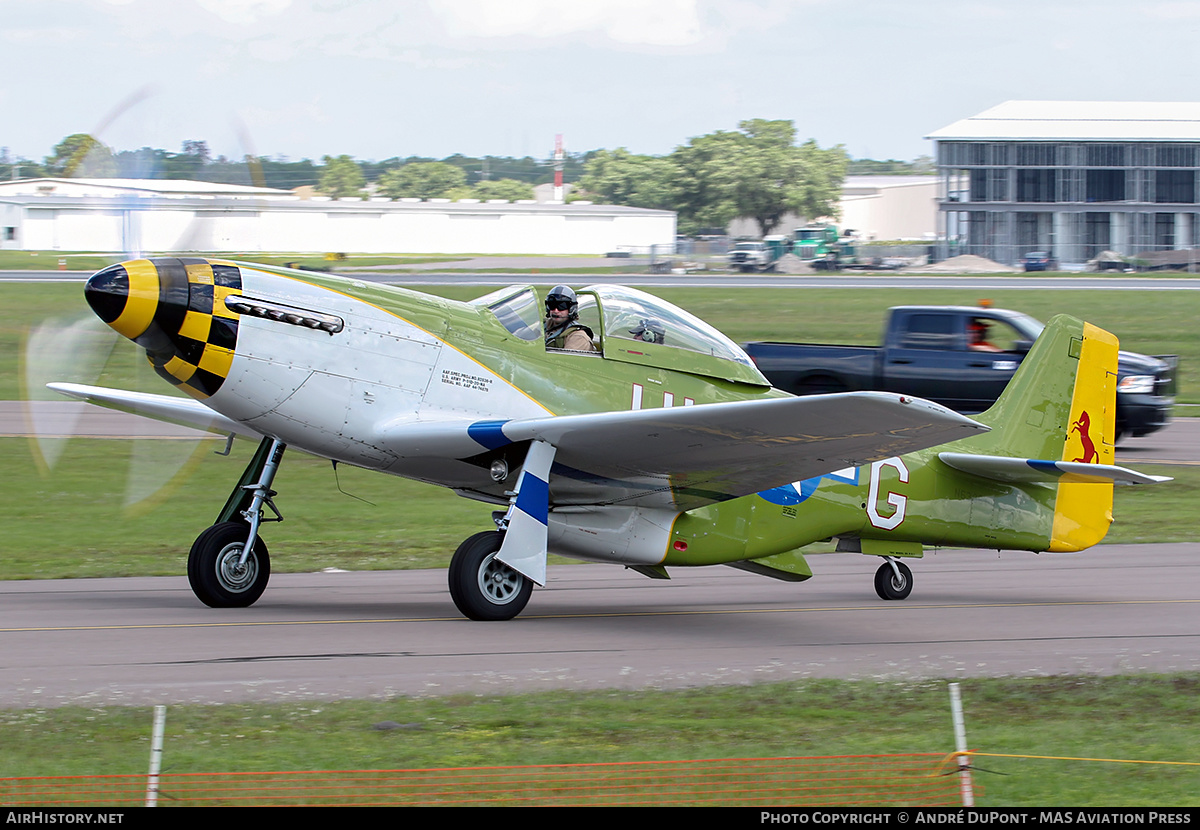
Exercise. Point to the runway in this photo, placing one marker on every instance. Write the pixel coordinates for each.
(1114, 609)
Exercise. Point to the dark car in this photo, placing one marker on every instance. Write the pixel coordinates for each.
(1145, 392)
(926, 352)
(1039, 261)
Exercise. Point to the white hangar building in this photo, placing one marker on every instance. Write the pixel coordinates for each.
(875, 207)
(890, 207)
(1073, 178)
(134, 215)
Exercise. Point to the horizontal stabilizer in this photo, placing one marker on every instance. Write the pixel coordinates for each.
(1032, 470)
(174, 410)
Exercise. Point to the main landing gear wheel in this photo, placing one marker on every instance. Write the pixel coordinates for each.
(893, 584)
(217, 576)
(482, 587)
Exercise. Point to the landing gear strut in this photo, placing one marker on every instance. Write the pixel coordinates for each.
(228, 566)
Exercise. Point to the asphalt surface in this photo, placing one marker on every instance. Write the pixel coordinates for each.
(1177, 443)
(1114, 609)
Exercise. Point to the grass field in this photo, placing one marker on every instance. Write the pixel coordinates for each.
(1144, 718)
(70, 523)
(1151, 322)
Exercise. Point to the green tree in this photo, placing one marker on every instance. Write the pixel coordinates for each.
(18, 167)
(819, 187)
(374, 170)
(341, 177)
(757, 172)
(264, 172)
(920, 166)
(81, 155)
(770, 178)
(144, 163)
(707, 181)
(188, 164)
(619, 177)
(509, 189)
(422, 180)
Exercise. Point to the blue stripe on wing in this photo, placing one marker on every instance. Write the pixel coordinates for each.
(489, 434)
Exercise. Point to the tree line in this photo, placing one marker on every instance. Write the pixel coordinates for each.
(758, 171)
(81, 155)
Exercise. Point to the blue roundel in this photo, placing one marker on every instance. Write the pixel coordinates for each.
(788, 494)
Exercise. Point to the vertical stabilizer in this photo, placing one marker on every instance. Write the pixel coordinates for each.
(1061, 406)
(1083, 511)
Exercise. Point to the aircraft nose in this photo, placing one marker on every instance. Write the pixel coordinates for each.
(125, 296)
(174, 309)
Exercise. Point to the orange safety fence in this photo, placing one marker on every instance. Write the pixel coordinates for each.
(865, 780)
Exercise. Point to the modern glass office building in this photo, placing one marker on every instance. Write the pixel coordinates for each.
(1073, 178)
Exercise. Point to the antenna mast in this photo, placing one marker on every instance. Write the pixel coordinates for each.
(558, 168)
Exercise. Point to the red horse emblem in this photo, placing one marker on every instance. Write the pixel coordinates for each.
(1084, 426)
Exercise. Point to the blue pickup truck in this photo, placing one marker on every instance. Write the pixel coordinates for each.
(959, 356)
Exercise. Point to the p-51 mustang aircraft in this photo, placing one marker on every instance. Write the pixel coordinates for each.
(651, 453)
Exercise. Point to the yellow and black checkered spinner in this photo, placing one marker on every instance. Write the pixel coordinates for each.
(175, 309)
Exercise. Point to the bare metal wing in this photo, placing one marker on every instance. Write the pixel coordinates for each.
(675, 458)
(174, 410)
(684, 457)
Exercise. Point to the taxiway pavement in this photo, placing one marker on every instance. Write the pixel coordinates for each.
(1113, 609)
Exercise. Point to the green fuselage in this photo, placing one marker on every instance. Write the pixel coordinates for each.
(870, 506)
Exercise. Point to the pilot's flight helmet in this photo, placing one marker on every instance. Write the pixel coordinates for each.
(649, 331)
(562, 297)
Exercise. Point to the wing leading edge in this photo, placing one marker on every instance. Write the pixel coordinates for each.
(183, 411)
(677, 458)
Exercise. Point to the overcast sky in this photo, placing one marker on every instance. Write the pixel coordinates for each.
(382, 78)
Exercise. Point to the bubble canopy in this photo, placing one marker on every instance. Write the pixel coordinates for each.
(635, 327)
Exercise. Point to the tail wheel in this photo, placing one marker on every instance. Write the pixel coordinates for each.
(482, 587)
(217, 575)
(893, 584)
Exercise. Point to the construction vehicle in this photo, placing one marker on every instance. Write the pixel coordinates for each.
(821, 247)
(757, 255)
(814, 243)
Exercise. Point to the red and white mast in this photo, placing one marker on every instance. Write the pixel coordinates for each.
(558, 168)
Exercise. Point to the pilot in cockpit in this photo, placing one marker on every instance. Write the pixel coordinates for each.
(563, 329)
(649, 331)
